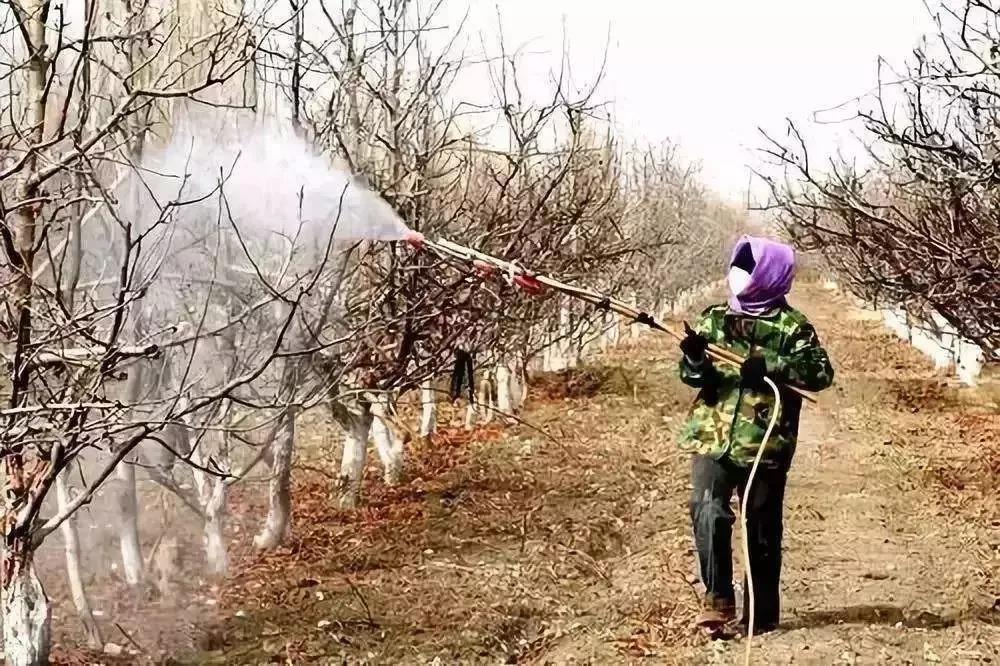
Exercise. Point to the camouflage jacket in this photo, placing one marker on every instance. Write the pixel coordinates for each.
(736, 423)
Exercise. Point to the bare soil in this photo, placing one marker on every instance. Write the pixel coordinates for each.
(566, 539)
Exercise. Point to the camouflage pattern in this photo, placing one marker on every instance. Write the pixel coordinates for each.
(735, 425)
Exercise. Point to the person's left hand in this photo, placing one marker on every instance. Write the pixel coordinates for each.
(752, 373)
(694, 345)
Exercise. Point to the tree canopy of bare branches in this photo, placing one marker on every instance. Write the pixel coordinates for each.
(919, 225)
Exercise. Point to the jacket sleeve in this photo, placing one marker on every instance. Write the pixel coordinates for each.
(805, 363)
(701, 374)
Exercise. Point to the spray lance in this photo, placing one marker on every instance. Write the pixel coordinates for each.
(533, 283)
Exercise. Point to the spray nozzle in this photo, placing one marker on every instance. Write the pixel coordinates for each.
(483, 268)
(415, 239)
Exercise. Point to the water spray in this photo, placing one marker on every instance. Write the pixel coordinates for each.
(281, 195)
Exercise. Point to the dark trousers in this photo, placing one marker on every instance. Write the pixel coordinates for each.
(462, 374)
(714, 482)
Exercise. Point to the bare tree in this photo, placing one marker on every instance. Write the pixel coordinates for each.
(918, 225)
(389, 116)
(76, 314)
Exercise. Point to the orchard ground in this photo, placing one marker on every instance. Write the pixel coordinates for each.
(565, 539)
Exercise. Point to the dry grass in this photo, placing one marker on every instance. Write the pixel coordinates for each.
(495, 548)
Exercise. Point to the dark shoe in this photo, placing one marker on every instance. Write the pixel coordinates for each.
(715, 614)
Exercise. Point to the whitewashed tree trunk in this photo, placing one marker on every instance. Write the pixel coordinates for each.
(352, 464)
(26, 613)
(279, 487)
(128, 525)
(969, 362)
(212, 497)
(505, 402)
(24, 609)
(167, 565)
(387, 443)
(485, 401)
(470, 417)
(216, 553)
(518, 386)
(71, 544)
(128, 503)
(522, 374)
(23, 605)
(428, 411)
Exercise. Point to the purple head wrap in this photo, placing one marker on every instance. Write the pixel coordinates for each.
(771, 279)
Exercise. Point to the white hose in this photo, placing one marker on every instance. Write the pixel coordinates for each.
(744, 501)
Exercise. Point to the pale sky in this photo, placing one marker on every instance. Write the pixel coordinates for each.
(708, 73)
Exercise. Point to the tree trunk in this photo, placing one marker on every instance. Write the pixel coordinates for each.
(484, 402)
(167, 565)
(25, 609)
(352, 465)
(71, 543)
(470, 416)
(128, 504)
(211, 490)
(969, 362)
(216, 555)
(516, 392)
(388, 445)
(279, 497)
(505, 402)
(428, 417)
(522, 382)
(128, 522)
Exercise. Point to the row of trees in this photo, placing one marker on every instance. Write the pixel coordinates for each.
(914, 223)
(188, 268)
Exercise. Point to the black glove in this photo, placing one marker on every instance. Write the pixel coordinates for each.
(694, 345)
(752, 373)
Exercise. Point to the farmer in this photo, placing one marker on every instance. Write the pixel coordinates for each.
(729, 419)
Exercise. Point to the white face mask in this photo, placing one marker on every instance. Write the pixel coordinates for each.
(739, 280)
